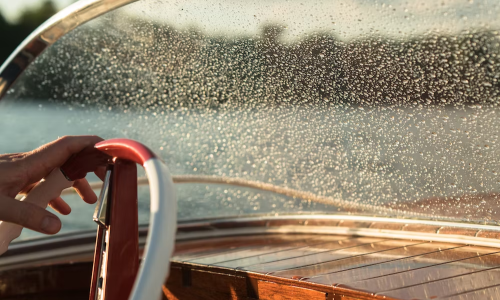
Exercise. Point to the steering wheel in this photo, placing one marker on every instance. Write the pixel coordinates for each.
(116, 273)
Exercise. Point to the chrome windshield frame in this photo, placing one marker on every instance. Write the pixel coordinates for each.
(50, 32)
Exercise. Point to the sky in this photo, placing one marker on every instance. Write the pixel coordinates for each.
(12, 9)
(347, 18)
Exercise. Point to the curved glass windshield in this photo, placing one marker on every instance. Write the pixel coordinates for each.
(385, 108)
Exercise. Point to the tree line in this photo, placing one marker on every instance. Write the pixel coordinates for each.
(151, 66)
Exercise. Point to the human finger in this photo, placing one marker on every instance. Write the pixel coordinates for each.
(39, 162)
(59, 205)
(28, 215)
(28, 188)
(85, 191)
(12, 156)
(100, 172)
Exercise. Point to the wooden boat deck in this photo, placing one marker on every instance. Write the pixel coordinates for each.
(302, 257)
(301, 266)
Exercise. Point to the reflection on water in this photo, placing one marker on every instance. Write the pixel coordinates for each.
(32, 124)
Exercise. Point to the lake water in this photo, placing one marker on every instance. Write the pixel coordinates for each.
(374, 155)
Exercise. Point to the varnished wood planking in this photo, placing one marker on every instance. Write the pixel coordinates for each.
(311, 265)
(375, 255)
(377, 259)
(279, 254)
(314, 257)
(207, 247)
(424, 276)
(399, 260)
(274, 291)
(249, 252)
(491, 293)
(447, 286)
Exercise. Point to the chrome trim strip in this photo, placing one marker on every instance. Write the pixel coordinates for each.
(101, 208)
(48, 33)
(364, 232)
(340, 217)
(237, 227)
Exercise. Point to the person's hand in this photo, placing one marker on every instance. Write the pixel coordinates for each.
(19, 172)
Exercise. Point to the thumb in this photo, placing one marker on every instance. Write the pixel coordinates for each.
(28, 215)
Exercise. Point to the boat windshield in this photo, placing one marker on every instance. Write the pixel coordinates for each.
(380, 108)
